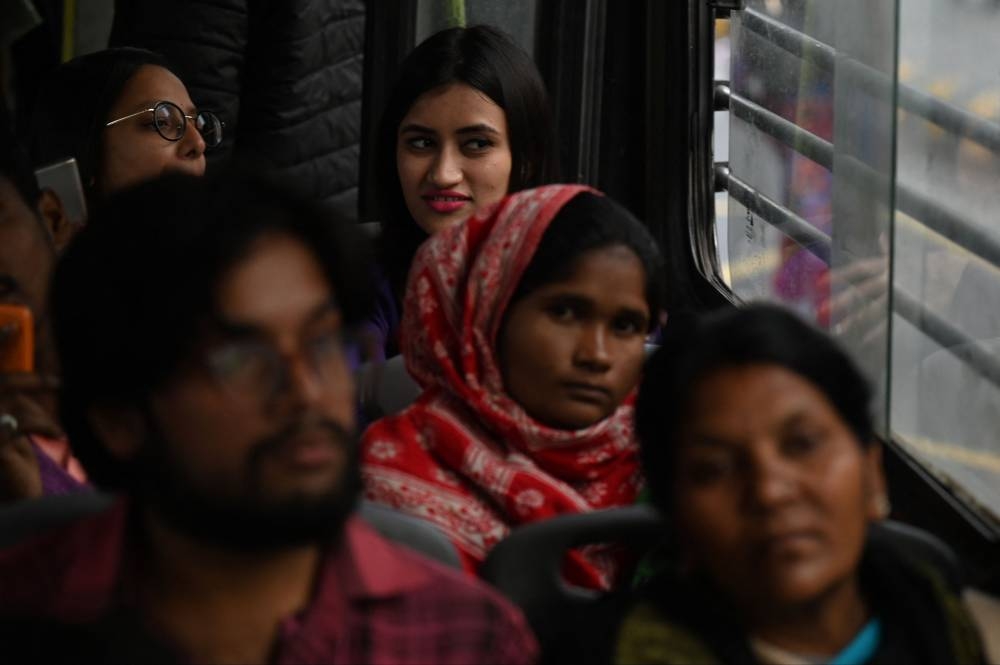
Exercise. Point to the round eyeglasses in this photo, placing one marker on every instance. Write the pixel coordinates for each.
(171, 123)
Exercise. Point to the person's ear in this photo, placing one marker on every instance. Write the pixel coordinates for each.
(876, 490)
(120, 429)
(53, 214)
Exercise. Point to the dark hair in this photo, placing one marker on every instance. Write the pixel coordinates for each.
(692, 349)
(73, 104)
(588, 222)
(132, 293)
(14, 164)
(489, 61)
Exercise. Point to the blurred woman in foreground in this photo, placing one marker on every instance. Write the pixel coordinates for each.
(759, 448)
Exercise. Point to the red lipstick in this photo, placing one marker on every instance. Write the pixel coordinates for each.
(445, 201)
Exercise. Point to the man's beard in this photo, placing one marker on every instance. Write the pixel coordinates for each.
(253, 522)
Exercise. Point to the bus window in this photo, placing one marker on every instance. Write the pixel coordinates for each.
(946, 375)
(515, 17)
(810, 157)
(862, 192)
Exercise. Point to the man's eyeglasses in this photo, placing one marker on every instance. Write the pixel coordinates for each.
(255, 368)
(171, 123)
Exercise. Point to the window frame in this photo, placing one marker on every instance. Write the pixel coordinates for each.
(390, 27)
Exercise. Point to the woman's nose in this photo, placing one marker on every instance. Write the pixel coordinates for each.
(446, 171)
(592, 349)
(771, 483)
(192, 144)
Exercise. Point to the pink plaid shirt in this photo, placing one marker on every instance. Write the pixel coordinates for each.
(374, 602)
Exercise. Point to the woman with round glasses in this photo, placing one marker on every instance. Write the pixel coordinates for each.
(125, 117)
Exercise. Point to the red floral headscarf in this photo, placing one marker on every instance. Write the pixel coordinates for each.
(465, 455)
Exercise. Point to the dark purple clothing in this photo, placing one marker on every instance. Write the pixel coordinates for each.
(55, 479)
(381, 329)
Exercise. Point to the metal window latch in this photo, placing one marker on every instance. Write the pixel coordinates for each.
(724, 7)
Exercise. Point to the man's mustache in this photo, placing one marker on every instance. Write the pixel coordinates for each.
(339, 435)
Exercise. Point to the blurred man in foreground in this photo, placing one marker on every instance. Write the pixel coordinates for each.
(201, 326)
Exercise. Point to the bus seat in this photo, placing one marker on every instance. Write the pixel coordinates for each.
(413, 532)
(371, 229)
(24, 519)
(921, 546)
(526, 566)
(387, 387)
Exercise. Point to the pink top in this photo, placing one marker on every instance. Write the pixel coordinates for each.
(59, 452)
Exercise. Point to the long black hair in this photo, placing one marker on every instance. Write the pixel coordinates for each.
(73, 104)
(14, 164)
(489, 61)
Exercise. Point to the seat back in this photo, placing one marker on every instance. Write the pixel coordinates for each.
(527, 565)
(920, 546)
(371, 229)
(412, 532)
(24, 519)
(386, 387)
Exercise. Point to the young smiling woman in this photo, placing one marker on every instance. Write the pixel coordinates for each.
(453, 155)
(467, 122)
(526, 329)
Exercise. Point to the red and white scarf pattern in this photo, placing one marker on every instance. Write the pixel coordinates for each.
(465, 455)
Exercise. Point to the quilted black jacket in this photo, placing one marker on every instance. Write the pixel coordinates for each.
(284, 75)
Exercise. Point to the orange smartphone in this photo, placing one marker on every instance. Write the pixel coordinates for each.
(17, 339)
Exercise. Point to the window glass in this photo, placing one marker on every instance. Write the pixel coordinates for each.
(764, 262)
(810, 159)
(863, 131)
(515, 17)
(946, 364)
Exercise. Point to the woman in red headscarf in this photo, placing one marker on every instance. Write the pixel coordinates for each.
(525, 326)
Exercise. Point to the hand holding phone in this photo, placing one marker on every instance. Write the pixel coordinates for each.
(63, 178)
(20, 474)
(17, 339)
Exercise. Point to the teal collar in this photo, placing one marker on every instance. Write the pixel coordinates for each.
(862, 647)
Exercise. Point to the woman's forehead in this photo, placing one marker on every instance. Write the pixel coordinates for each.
(455, 102)
(599, 265)
(754, 397)
(151, 84)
